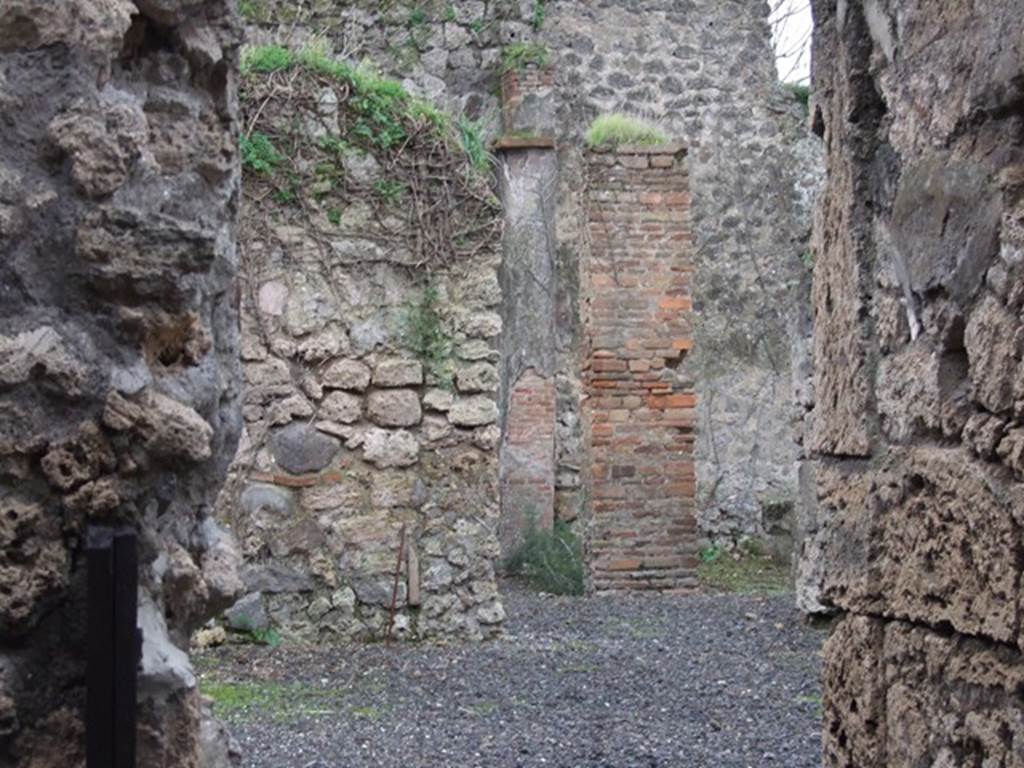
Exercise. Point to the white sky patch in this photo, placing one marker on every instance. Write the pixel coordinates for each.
(791, 35)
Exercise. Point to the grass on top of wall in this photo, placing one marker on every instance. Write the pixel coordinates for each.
(388, 110)
(615, 129)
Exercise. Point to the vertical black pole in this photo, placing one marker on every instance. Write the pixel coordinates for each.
(100, 659)
(126, 647)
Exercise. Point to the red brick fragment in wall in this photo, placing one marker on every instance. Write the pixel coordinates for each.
(639, 421)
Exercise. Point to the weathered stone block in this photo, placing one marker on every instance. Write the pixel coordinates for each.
(481, 377)
(473, 412)
(341, 407)
(924, 537)
(248, 614)
(398, 372)
(394, 408)
(385, 448)
(299, 448)
(347, 374)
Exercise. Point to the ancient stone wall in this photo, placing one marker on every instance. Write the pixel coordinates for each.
(705, 71)
(119, 380)
(365, 492)
(917, 420)
(638, 330)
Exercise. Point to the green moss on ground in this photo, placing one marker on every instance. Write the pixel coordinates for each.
(743, 572)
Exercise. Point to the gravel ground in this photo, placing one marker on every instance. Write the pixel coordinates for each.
(657, 682)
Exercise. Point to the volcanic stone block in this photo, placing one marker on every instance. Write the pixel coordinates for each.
(299, 448)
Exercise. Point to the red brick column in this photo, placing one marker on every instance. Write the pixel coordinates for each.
(638, 419)
(528, 486)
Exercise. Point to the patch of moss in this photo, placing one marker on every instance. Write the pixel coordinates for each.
(263, 700)
(745, 571)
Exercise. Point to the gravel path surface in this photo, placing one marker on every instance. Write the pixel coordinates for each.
(651, 682)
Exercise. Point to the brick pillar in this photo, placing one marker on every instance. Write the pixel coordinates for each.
(529, 467)
(639, 415)
(529, 172)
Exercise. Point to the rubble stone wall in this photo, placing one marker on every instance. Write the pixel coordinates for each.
(917, 428)
(371, 319)
(119, 375)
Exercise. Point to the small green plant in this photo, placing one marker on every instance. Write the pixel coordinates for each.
(472, 135)
(519, 56)
(799, 92)
(333, 144)
(551, 561)
(615, 129)
(807, 257)
(267, 636)
(710, 554)
(424, 334)
(267, 58)
(259, 154)
(418, 17)
(390, 191)
(449, 13)
(539, 14)
(334, 216)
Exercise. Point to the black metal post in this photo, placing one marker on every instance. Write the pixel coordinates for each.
(114, 642)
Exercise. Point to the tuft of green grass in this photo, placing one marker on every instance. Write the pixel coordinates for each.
(449, 13)
(472, 135)
(267, 58)
(550, 561)
(539, 14)
(615, 129)
(519, 56)
(259, 154)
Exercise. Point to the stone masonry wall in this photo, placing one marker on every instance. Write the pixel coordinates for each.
(705, 71)
(638, 415)
(371, 347)
(119, 379)
(917, 426)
